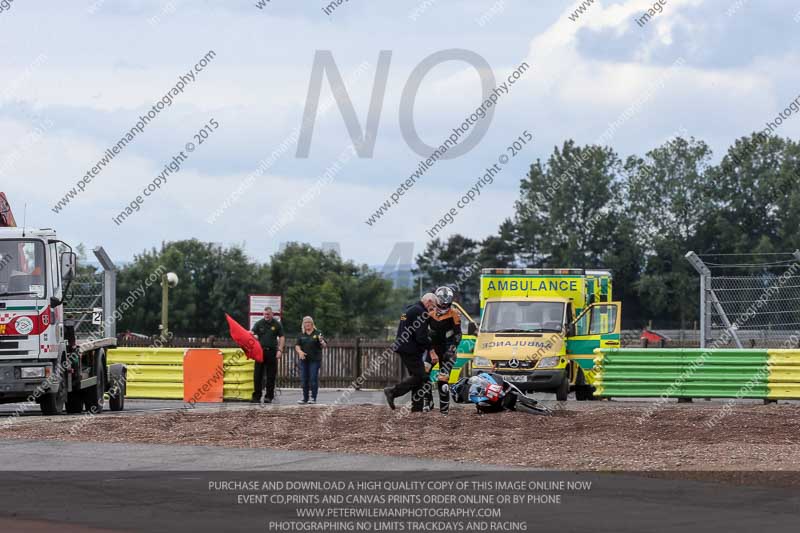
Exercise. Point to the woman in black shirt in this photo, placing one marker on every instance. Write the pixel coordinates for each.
(309, 349)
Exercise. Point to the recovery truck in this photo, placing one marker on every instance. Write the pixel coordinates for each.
(540, 327)
(40, 358)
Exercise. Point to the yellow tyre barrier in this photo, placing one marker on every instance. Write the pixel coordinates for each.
(700, 373)
(153, 373)
(157, 373)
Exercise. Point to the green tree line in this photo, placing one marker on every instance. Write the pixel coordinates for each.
(586, 207)
(582, 207)
(345, 299)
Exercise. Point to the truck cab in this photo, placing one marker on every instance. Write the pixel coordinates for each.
(539, 327)
(33, 273)
(39, 357)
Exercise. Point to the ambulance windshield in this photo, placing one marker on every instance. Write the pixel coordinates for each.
(523, 317)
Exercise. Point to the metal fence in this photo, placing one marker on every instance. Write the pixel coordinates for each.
(749, 301)
(92, 299)
(84, 305)
(344, 361)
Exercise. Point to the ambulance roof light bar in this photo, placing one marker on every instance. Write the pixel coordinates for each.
(544, 271)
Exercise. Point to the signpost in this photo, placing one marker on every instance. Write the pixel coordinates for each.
(259, 302)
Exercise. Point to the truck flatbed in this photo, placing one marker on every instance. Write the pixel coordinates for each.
(87, 345)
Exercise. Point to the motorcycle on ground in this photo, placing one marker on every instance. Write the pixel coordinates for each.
(492, 394)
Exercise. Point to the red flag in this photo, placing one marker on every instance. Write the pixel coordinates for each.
(246, 340)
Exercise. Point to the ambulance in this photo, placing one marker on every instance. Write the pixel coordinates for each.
(539, 327)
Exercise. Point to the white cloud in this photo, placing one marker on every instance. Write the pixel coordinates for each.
(101, 69)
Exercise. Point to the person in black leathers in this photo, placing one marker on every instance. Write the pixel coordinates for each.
(445, 327)
(411, 344)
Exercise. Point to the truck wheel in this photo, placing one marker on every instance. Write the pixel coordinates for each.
(116, 397)
(562, 392)
(117, 379)
(93, 396)
(52, 403)
(74, 402)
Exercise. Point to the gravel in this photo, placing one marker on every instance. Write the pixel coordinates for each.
(599, 436)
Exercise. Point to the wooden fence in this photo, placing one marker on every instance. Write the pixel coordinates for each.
(363, 363)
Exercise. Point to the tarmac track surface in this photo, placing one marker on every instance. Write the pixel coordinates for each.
(289, 397)
(286, 397)
(170, 502)
(51, 485)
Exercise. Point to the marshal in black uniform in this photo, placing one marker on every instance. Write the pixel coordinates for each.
(270, 335)
(411, 344)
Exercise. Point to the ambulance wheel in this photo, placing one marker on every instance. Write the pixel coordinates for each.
(562, 392)
(583, 391)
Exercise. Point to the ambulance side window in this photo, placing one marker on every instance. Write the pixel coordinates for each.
(582, 326)
(604, 319)
(464, 324)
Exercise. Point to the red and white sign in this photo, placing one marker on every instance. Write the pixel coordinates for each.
(259, 302)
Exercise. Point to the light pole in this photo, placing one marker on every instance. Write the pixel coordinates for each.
(168, 280)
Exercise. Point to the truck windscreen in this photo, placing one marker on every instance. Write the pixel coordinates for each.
(22, 270)
(523, 317)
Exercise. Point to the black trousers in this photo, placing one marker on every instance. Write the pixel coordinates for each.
(427, 388)
(264, 374)
(415, 382)
(447, 358)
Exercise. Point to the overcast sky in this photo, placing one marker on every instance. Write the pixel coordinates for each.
(76, 75)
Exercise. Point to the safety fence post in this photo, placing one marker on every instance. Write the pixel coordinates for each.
(359, 365)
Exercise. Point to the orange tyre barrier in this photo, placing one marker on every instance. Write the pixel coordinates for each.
(203, 376)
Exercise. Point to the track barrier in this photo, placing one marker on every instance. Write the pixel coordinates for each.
(769, 374)
(202, 376)
(155, 373)
(238, 375)
(158, 373)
